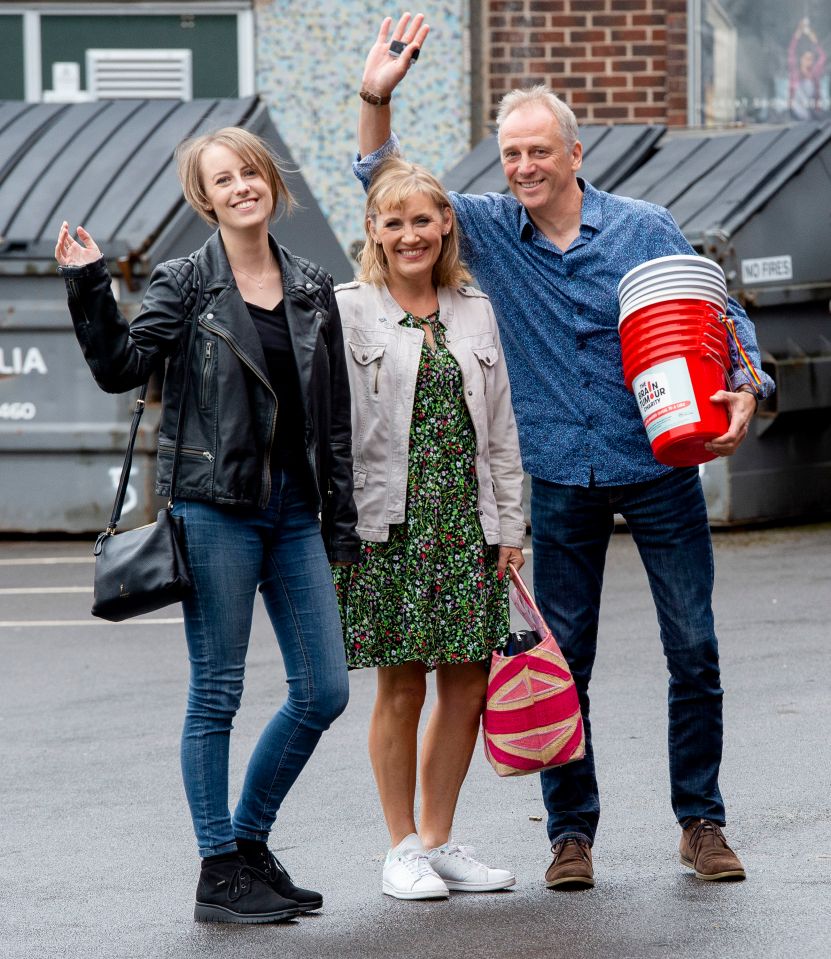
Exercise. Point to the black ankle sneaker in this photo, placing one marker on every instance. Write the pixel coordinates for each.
(233, 892)
(271, 871)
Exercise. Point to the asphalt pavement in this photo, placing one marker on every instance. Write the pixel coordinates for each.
(97, 859)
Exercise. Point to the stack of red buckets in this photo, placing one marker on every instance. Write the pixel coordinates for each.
(675, 354)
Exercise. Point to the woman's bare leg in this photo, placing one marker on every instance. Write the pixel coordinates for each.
(448, 744)
(393, 743)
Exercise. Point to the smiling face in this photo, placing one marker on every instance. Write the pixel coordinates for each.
(538, 166)
(237, 193)
(411, 237)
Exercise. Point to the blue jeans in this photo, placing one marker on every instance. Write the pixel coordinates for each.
(231, 551)
(571, 528)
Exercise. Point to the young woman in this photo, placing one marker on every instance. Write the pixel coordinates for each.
(438, 485)
(265, 451)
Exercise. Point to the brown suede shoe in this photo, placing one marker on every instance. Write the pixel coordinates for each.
(704, 849)
(572, 865)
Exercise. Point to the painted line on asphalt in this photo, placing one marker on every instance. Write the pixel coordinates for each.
(37, 590)
(46, 560)
(8, 623)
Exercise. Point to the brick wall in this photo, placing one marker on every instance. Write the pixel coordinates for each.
(613, 61)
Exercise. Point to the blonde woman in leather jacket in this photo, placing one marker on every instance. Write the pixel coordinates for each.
(438, 486)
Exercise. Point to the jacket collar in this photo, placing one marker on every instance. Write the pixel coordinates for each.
(392, 311)
(217, 273)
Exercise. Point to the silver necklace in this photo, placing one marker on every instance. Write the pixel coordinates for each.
(259, 282)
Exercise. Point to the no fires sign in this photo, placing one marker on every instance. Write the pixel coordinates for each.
(767, 269)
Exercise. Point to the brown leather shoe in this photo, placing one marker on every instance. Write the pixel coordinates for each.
(704, 849)
(572, 865)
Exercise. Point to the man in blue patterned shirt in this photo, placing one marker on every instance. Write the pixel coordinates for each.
(550, 256)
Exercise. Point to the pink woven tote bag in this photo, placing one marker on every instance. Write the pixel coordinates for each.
(532, 714)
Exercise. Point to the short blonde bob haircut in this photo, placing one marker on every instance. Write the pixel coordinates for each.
(252, 149)
(394, 182)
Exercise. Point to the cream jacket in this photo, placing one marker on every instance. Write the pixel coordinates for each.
(382, 359)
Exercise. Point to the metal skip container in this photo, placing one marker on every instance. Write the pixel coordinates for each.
(107, 166)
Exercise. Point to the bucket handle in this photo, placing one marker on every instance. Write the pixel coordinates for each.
(744, 359)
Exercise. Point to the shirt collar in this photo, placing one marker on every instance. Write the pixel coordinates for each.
(591, 213)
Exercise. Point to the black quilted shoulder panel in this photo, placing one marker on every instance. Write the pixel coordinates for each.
(319, 277)
(181, 270)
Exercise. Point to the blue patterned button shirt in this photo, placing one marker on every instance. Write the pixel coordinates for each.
(558, 316)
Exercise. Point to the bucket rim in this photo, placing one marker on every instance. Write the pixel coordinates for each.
(658, 325)
(636, 308)
(652, 287)
(637, 303)
(660, 264)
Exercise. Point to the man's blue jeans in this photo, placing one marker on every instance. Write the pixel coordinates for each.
(571, 528)
(232, 551)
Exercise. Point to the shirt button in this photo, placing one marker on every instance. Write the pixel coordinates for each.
(365, 356)
(308, 286)
(579, 311)
(318, 316)
(470, 392)
(209, 316)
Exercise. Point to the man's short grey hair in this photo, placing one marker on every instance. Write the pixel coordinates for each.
(545, 96)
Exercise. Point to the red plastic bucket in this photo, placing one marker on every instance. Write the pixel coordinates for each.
(665, 347)
(674, 354)
(670, 313)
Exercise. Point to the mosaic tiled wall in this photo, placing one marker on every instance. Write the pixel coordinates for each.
(310, 59)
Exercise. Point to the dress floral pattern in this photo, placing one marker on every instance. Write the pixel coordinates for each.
(431, 592)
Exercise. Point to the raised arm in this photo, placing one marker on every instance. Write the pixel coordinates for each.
(119, 354)
(69, 252)
(383, 72)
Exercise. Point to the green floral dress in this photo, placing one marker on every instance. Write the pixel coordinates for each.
(430, 593)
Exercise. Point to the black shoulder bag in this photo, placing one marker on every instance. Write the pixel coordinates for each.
(145, 569)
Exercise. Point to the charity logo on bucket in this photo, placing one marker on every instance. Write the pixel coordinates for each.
(666, 397)
(650, 391)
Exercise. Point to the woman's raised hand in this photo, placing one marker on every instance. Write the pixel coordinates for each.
(69, 252)
(383, 73)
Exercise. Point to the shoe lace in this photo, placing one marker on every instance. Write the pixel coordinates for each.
(463, 852)
(418, 864)
(707, 829)
(580, 844)
(240, 883)
(274, 868)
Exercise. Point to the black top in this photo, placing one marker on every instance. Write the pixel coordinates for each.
(289, 449)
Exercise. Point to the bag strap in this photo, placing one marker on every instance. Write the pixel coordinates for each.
(121, 490)
(521, 588)
(524, 602)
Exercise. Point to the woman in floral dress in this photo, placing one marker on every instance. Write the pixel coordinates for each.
(438, 486)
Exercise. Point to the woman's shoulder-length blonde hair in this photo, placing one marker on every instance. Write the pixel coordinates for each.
(394, 182)
(252, 149)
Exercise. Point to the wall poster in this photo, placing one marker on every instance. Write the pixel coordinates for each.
(759, 61)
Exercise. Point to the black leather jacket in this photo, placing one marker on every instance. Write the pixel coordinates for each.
(231, 410)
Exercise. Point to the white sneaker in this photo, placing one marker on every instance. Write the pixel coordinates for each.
(408, 873)
(460, 871)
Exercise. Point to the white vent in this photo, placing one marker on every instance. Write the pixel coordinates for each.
(139, 74)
